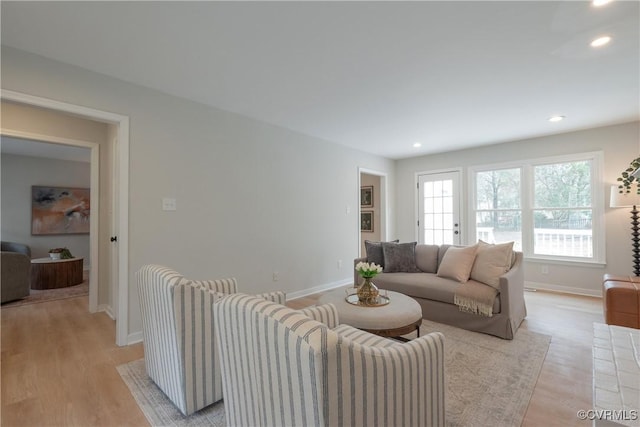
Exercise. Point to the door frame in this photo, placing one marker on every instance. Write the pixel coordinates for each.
(461, 205)
(384, 205)
(120, 283)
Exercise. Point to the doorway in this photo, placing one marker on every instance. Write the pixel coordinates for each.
(118, 279)
(373, 210)
(29, 164)
(439, 208)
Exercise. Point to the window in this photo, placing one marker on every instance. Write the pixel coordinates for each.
(549, 207)
(498, 207)
(562, 211)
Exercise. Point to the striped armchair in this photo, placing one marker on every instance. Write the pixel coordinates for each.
(181, 352)
(281, 368)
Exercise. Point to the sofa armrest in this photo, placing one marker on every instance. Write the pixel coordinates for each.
(512, 287)
(15, 276)
(356, 277)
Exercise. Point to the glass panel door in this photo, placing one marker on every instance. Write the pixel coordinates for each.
(439, 208)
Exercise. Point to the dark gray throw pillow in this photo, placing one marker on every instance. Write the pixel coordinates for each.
(374, 252)
(400, 257)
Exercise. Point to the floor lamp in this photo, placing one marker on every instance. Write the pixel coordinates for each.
(629, 200)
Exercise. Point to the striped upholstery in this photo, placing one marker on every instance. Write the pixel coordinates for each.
(281, 368)
(224, 286)
(181, 354)
(362, 337)
(326, 313)
(277, 296)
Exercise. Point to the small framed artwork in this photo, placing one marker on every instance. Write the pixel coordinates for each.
(59, 210)
(366, 196)
(366, 221)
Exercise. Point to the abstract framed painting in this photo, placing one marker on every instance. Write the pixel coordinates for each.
(59, 210)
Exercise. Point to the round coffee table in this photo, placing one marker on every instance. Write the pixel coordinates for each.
(401, 316)
(47, 273)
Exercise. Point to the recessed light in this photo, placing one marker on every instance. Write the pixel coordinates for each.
(600, 41)
(556, 118)
(417, 145)
(598, 3)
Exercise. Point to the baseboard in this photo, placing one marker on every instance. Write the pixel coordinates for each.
(317, 289)
(134, 338)
(563, 289)
(107, 309)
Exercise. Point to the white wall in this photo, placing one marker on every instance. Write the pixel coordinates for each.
(620, 146)
(252, 198)
(19, 173)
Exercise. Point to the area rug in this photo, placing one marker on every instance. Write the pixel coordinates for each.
(157, 407)
(37, 296)
(489, 381)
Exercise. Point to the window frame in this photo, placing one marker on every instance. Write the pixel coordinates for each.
(527, 188)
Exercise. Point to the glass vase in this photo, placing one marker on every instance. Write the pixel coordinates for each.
(367, 292)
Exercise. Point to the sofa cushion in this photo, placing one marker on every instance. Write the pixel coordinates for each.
(427, 258)
(374, 252)
(492, 261)
(399, 257)
(457, 263)
(424, 285)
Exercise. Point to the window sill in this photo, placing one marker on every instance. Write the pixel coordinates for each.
(569, 263)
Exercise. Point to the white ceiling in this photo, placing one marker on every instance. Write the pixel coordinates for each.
(377, 76)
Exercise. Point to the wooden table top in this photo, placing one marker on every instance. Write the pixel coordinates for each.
(49, 260)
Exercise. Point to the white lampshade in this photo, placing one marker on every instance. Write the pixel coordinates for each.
(623, 200)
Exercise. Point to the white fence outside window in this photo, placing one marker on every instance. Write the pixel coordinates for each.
(546, 241)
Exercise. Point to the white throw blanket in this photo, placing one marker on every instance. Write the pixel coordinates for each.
(476, 298)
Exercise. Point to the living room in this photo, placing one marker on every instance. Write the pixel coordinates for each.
(294, 198)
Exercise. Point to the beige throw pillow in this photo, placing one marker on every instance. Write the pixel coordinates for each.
(492, 261)
(457, 263)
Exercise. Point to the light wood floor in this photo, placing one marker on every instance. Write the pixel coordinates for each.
(59, 363)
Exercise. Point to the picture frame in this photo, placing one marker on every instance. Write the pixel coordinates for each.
(366, 196)
(366, 221)
(60, 210)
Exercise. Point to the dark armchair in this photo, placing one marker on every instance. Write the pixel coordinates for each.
(15, 271)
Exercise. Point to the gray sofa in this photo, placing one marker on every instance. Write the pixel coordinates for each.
(436, 294)
(15, 271)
